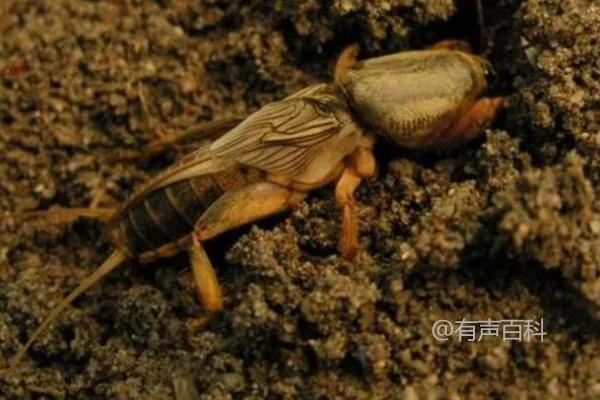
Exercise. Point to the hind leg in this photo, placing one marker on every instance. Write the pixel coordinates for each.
(207, 284)
(361, 165)
(236, 208)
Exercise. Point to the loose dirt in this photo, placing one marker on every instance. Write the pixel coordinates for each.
(507, 227)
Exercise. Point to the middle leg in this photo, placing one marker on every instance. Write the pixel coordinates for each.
(361, 164)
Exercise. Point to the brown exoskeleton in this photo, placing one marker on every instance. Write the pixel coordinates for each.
(271, 160)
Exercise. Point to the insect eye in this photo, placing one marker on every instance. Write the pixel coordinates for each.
(490, 71)
(487, 67)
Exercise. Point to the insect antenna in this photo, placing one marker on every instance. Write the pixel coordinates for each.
(480, 23)
(113, 261)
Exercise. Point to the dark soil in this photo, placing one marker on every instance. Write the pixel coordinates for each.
(507, 227)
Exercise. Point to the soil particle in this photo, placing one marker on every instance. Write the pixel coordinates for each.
(507, 227)
(553, 218)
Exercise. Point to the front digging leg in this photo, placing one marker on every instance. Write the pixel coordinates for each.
(346, 60)
(472, 123)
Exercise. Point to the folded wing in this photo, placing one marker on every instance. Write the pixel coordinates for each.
(285, 136)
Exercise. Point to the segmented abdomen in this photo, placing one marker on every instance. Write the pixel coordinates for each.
(168, 214)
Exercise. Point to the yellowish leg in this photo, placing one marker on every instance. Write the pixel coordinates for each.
(236, 208)
(471, 123)
(247, 204)
(64, 215)
(206, 278)
(345, 61)
(344, 198)
(204, 131)
(361, 165)
(452, 44)
(207, 284)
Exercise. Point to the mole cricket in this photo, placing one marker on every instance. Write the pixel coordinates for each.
(269, 162)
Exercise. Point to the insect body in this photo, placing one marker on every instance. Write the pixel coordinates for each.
(272, 159)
